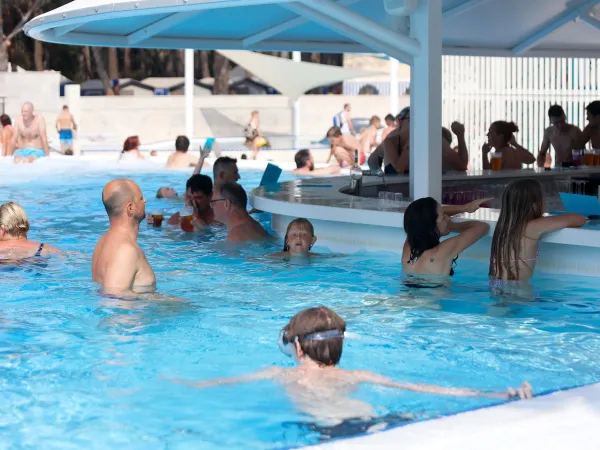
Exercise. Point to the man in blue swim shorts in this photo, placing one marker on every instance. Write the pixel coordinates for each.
(65, 124)
(30, 132)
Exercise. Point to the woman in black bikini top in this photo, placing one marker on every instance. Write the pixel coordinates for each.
(14, 227)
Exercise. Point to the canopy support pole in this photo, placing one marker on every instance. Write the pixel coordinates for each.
(189, 93)
(426, 103)
(394, 94)
(296, 57)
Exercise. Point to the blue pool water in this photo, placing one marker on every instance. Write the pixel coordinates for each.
(81, 371)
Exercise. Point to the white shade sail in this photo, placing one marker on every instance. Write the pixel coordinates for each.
(566, 28)
(290, 78)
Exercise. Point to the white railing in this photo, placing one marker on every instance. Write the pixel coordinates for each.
(478, 91)
(380, 87)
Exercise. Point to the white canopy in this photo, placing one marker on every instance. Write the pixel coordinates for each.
(290, 78)
(416, 32)
(567, 28)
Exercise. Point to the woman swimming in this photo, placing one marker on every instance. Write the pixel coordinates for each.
(425, 221)
(14, 226)
(519, 228)
(299, 239)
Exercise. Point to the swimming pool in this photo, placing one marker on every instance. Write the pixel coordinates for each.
(78, 370)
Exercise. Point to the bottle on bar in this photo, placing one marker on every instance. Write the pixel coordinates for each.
(355, 170)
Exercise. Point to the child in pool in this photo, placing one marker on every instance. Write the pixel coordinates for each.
(315, 337)
(299, 239)
(520, 226)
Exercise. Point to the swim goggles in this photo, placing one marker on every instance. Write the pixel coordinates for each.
(288, 348)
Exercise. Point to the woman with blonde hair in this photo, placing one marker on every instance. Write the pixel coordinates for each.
(14, 227)
(521, 224)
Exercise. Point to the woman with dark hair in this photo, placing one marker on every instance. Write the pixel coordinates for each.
(6, 133)
(502, 139)
(425, 222)
(131, 149)
(520, 226)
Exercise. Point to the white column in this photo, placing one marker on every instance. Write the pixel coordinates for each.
(394, 94)
(297, 57)
(426, 102)
(73, 101)
(189, 93)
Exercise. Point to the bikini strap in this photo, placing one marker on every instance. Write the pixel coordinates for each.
(39, 252)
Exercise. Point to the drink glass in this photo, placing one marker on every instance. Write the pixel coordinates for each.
(496, 161)
(187, 219)
(390, 198)
(588, 158)
(577, 157)
(597, 157)
(157, 217)
(398, 197)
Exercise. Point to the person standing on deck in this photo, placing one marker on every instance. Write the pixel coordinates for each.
(65, 125)
(118, 263)
(561, 135)
(30, 135)
(345, 120)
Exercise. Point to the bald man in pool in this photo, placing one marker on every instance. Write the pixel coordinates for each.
(119, 264)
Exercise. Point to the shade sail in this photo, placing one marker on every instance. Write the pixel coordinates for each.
(567, 28)
(291, 78)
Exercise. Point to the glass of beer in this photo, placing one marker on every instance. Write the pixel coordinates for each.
(187, 219)
(157, 217)
(577, 157)
(496, 161)
(597, 157)
(588, 158)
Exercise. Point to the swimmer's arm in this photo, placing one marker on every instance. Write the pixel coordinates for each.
(523, 392)
(471, 207)
(584, 137)
(15, 138)
(329, 170)
(200, 163)
(120, 274)
(541, 159)
(536, 228)
(44, 136)
(73, 121)
(469, 233)
(331, 151)
(57, 125)
(266, 374)
(175, 219)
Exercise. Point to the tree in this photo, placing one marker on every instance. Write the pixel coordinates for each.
(97, 54)
(221, 74)
(25, 9)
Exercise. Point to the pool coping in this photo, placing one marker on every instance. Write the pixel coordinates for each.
(551, 419)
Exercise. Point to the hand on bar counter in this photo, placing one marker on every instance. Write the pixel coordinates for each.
(471, 207)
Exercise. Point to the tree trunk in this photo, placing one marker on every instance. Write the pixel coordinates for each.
(221, 70)
(3, 55)
(87, 60)
(204, 67)
(127, 62)
(38, 55)
(180, 63)
(97, 53)
(169, 66)
(113, 63)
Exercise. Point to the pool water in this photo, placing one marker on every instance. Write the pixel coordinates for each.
(81, 371)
